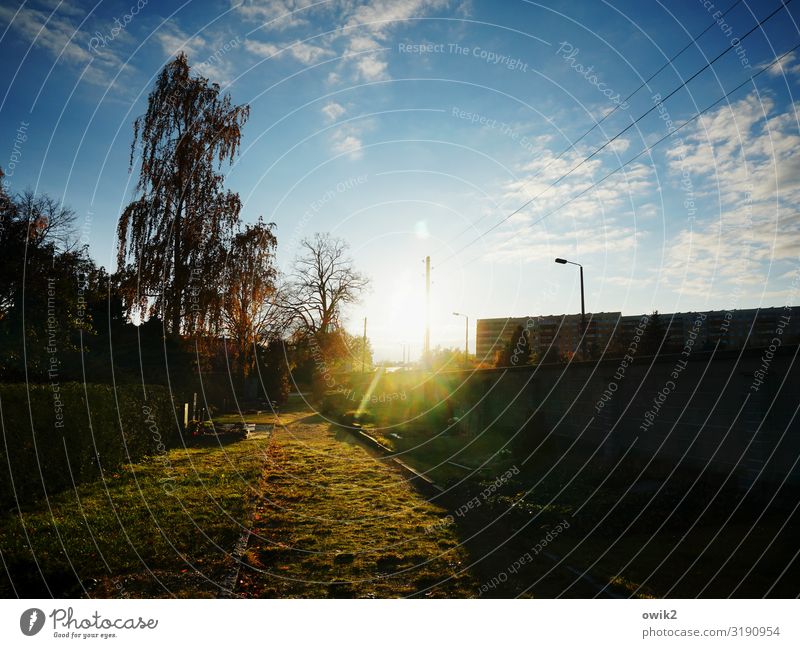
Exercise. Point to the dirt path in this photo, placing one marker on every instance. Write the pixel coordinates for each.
(338, 522)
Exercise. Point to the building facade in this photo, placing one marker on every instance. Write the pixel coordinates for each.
(557, 337)
(549, 336)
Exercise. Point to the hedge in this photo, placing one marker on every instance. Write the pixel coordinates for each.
(52, 439)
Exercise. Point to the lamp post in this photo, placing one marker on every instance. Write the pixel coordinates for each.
(466, 335)
(583, 306)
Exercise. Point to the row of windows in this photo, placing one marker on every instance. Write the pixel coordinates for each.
(565, 331)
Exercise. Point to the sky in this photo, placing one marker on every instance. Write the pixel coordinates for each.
(420, 127)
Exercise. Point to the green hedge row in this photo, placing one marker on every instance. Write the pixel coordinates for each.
(54, 434)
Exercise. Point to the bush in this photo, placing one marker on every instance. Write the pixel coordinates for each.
(57, 435)
(335, 404)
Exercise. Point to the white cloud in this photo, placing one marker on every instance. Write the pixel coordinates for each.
(63, 8)
(372, 67)
(599, 222)
(265, 50)
(739, 152)
(787, 65)
(370, 26)
(220, 66)
(380, 16)
(347, 138)
(333, 111)
(211, 55)
(306, 53)
(173, 41)
(364, 28)
(276, 14)
(716, 258)
(743, 159)
(537, 180)
(362, 43)
(56, 31)
(619, 145)
(743, 152)
(541, 244)
(346, 142)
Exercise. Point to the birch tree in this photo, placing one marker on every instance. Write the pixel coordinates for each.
(172, 237)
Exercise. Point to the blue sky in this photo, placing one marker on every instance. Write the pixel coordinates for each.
(412, 127)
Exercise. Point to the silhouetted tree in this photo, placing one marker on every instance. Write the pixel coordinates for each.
(45, 285)
(49, 219)
(654, 335)
(354, 357)
(517, 351)
(250, 314)
(323, 282)
(445, 359)
(273, 369)
(172, 237)
(520, 347)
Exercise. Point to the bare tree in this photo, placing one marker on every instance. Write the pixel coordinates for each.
(48, 220)
(323, 282)
(35, 231)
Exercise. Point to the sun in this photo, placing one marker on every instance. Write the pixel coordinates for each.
(397, 315)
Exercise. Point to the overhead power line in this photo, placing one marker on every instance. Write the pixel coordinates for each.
(643, 84)
(626, 129)
(638, 155)
(573, 143)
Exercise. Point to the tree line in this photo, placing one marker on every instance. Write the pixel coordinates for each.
(196, 291)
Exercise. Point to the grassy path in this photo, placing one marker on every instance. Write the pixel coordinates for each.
(327, 518)
(337, 522)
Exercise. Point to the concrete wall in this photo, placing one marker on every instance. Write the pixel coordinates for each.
(732, 412)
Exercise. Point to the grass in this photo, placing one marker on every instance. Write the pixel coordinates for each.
(444, 454)
(339, 522)
(161, 527)
(640, 541)
(330, 519)
(294, 410)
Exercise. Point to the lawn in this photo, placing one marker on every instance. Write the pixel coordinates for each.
(163, 527)
(328, 518)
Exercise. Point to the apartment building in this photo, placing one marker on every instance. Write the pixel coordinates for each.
(610, 333)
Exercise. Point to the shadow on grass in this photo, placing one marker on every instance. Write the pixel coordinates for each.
(129, 535)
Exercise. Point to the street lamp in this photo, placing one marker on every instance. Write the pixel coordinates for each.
(583, 307)
(466, 335)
